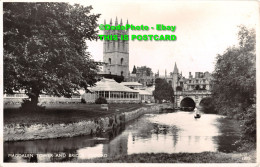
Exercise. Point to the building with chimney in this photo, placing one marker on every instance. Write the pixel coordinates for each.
(201, 80)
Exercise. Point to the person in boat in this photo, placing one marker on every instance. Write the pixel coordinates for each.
(196, 111)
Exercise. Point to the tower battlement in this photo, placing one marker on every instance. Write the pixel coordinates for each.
(115, 32)
(116, 52)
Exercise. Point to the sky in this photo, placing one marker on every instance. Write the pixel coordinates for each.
(204, 29)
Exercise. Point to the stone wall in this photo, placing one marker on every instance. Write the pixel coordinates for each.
(16, 132)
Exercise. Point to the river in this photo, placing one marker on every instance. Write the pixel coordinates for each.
(151, 133)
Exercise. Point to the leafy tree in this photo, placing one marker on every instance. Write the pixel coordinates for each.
(101, 100)
(45, 48)
(117, 78)
(163, 90)
(234, 81)
(150, 83)
(134, 70)
(144, 71)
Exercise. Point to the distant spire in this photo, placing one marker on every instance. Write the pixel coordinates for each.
(121, 22)
(105, 22)
(127, 31)
(165, 73)
(116, 21)
(176, 71)
(110, 21)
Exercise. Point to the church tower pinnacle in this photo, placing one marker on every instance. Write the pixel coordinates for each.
(175, 77)
(116, 23)
(176, 71)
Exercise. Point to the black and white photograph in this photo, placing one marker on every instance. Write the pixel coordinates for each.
(130, 82)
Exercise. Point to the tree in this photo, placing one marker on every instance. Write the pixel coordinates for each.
(117, 78)
(101, 100)
(163, 90)
(144, 71)
(234, 80)
(45, 48)
(134, 70)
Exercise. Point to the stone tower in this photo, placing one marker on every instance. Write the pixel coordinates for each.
(116, 52)
(175, 77)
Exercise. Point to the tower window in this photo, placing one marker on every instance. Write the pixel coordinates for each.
(122, 73)
(109, 60)
(122, 60)
(181, 84)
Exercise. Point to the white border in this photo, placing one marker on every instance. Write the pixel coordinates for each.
(123, 164)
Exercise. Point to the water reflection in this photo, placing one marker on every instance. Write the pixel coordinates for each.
(151, 133)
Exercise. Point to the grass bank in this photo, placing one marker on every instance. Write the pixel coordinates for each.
(56, 123)
(63, 113)
(204, 157)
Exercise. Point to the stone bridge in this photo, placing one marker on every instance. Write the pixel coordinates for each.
(190, 98)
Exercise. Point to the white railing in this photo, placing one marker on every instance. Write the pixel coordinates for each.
(22, 96)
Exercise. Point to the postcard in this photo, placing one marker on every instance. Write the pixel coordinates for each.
(129, 83)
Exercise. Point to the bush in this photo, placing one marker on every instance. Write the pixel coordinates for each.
(26, 106)
(117, 78)
(83, 101)
(249, 127)
(101, 100)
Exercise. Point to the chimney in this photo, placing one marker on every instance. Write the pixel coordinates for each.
(197, 74)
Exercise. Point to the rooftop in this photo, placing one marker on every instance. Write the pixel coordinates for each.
(110, 85)
(144, 92)
(131, 83)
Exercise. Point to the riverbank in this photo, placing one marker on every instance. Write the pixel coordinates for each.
(88, 125)
(63, 113)
(204, 157)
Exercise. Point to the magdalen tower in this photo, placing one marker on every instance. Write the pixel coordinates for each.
(116, 52)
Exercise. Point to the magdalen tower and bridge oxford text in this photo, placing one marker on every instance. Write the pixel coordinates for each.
(116, 62)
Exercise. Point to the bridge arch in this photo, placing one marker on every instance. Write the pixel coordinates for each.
(196, 96)
(187, 103)
(204, 100)
(206, 105)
